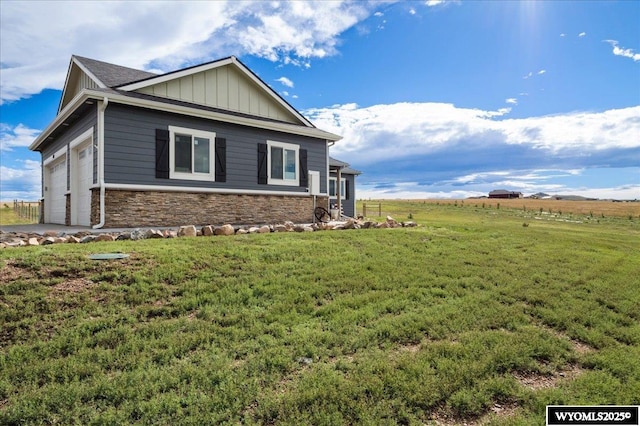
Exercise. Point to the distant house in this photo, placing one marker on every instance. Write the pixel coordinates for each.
(342, 182)
(501, 193)
(208, 144)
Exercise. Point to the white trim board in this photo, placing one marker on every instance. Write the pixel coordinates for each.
(163, 188)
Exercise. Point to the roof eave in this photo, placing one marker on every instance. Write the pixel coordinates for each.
(78, 100)
(179, 109)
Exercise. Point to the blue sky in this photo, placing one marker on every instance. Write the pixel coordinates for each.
(444, 99)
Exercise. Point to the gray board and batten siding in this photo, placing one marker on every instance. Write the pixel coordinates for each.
(130, 149)
(86, 120)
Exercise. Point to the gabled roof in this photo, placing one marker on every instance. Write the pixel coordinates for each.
(112, 75)
(254, 103)
(153, 80)
(88, 73)
(226, 83)
(344, 167)
(333, 162)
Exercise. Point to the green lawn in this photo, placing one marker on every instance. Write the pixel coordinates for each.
(479, 315)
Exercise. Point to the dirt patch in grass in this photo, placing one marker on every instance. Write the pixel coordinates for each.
(442, 417)
(75, 285)
(504, 410)
(578, 346)
(10, 272)
(581, 348)
(536, 381)
(411, 348)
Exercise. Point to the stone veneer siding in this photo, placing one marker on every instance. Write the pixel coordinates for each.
(67, 211)
(95, 206)
(157, 208)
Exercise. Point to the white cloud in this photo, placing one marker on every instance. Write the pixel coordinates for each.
(530, 74)
(562, 35)
(442, 3)
(620, 51)
(412, 11)
(404, 130)
(512, 101)
(378, 14)
(296, 62)
(412, 190)
(21, 183)
(14, 137)
(285, 93)
(285, 81)
(38, 38)
(582, 34)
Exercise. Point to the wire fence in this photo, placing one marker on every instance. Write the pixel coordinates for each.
(29, 210)
(373, 208)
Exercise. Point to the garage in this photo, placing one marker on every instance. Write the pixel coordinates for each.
(81, 190)
(55, 201)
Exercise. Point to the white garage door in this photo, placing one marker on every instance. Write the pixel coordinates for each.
(56, 201)
(85, 180)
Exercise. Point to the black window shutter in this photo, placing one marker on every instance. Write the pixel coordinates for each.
(162, 154)
(346, 189)
(262, 164)
(221, 160)
(304, 173)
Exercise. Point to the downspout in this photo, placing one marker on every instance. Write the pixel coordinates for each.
(101, 107)
(339, 192)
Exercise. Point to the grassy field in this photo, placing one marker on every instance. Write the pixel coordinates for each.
(587, 210)
(481, 315)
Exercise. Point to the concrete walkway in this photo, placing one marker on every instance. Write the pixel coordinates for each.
(37, 228)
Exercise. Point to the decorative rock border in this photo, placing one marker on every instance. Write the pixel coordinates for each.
(18, 239)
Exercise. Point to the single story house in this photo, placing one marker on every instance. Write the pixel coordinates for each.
(342, 182)
(501, 193)
(208, 144)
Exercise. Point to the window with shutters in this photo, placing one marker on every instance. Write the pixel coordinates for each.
(283, 164)
(191, 154)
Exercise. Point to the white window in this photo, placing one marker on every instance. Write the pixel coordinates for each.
(191, 154)
(333, 183)
(283, 163)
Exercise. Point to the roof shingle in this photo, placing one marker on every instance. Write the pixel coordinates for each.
(113, 75)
